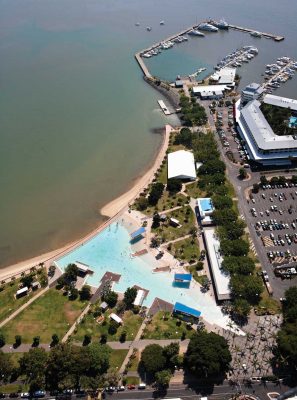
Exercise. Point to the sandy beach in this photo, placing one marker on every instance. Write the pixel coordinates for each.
(112, 210)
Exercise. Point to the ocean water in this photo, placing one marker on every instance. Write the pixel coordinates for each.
(110, 250)
(76, 117)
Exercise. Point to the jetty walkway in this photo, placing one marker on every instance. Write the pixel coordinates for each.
(147, 74)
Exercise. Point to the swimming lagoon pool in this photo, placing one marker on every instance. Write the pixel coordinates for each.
(111, 250)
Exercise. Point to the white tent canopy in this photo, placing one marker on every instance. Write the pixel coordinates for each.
(181, 165)
(116, 318)
(139, 297)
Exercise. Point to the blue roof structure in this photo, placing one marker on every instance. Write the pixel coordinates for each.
(183, 309)
(293, 122)
(137, 233)
(206, 204)
(182, 277)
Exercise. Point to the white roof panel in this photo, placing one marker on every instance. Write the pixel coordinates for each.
(221, 279)
(181, 165)
(280, 101)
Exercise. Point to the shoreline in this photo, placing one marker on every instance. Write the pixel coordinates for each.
(111, 210)
(118, 204)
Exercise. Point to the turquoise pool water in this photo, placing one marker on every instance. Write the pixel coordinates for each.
(110, 251)
(206, 204)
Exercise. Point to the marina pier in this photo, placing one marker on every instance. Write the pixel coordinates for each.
(147, 74)
(264, 34)
(154, 46)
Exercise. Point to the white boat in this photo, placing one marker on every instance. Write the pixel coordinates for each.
(208, 27)
(148, 28)
(256, 34)
(146, 55)
(137, 23)
(222, 24)
(195, 32)
(162, 22)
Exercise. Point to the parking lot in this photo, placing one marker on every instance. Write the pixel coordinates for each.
(273, 213)
(228, 136)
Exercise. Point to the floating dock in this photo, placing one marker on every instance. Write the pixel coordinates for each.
(163, 107)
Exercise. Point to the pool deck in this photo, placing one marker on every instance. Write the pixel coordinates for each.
(107, 277)
(160, 305)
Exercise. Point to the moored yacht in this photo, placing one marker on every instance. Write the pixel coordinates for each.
(256, 34)
(208, 27)
(195, 32)
(222, 24)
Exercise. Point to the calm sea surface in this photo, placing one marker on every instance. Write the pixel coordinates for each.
(76, 118)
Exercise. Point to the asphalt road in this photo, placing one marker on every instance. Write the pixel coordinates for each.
(279, 286)
(224, 391)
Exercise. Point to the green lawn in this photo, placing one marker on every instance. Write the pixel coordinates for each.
(185, 217)
(194, 191)
(8, 303)
(166, 202)
(89, 326)
(185, 250)
(14, 387)
(162, 328)
(200, 278)
(131, 380)
(51, 313)
(269, 304)
(134, 361)
(117, 358)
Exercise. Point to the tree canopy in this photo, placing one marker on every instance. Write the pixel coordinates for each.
(184, 137)
(287, 336)
(33, 365)
(237, 247)
(6, 367)
(238, 265)
(207, 355)
(153, 359)
(129, 296)
(247, 287)
(174, 185)
(155, 193)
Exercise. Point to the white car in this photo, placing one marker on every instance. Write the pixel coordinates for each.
(25, 395)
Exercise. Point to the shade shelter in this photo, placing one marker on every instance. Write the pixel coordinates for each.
(139, 232)
(183, 310)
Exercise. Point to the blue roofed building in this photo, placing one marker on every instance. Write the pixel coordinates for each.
(139, 232)
(186, 312)
(206, 209)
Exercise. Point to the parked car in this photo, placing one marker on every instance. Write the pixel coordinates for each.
(39, 393)
(131, 387)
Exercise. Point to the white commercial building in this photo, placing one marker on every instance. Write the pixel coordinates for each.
(262, 144)
(210, 91)
(206, 209)
(278, 101)
(221, 278)
(181, 165)
(251, 92)
(225, 76)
